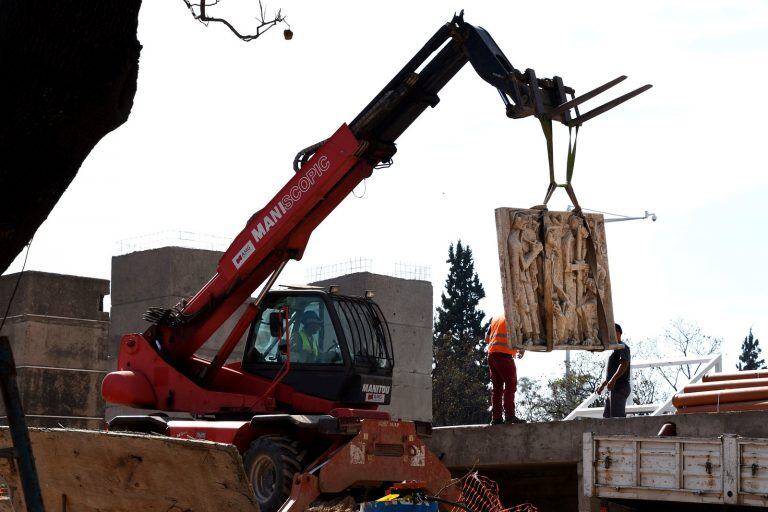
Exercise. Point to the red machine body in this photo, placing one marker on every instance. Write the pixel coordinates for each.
(294, 412)
(156, 367)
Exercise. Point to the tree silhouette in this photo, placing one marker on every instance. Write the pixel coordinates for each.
(460, 374)
(750, 352)
(263, 24)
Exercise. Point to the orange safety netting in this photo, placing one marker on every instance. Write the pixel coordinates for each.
(481, 494)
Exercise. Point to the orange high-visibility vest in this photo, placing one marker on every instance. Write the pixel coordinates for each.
(497, 337)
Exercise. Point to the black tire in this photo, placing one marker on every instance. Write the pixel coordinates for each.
(270, 463)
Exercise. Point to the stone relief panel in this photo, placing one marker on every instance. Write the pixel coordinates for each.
(550, 291)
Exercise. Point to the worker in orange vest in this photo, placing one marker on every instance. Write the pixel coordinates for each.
(501, 362)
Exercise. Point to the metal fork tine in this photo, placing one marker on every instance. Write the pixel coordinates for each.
(568, 105)
(607, 106)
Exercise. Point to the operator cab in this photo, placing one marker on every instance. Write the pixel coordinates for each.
(340, 346)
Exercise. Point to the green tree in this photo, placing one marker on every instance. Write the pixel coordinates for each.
(750, 352)
(554, 399)
(460, 375)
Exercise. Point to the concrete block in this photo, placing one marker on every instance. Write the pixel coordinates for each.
(407, 307)
(560, 442)
(411, 396)
(159, 273)
(127, 319)
(43, 293)
(60, 392)
(350, 284)
(161, 278)
(58, 342)
(412, 346)
(100, 471)
(403, 301)
(53, 422)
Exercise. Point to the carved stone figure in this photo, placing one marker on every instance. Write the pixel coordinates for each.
(522, 250)
(550, 290)
(561, 303)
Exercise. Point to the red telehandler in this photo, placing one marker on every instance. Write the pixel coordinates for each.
(303, 401)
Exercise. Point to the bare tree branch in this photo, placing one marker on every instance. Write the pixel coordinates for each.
(199, 13)
(684, 338)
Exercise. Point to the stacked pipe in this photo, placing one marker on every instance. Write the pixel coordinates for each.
(722, 392)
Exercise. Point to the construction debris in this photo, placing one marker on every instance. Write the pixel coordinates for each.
(481, 494)
(345, 504)
(91, 471)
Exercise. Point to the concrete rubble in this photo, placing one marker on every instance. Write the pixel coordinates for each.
(90, 471)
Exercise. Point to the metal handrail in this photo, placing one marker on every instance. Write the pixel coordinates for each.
(714, 361)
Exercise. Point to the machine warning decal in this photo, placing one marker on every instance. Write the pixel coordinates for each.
(243, 254)
(356, 454)
(419, 456)
(376, 398)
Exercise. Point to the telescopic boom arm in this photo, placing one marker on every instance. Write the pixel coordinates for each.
(328, 171)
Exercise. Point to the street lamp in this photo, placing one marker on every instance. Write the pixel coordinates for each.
(618, 217)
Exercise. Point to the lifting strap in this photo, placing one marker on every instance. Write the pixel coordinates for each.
(602, 322)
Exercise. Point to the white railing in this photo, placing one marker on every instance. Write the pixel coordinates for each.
(706, 363)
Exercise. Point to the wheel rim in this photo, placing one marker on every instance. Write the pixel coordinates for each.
(263, 478)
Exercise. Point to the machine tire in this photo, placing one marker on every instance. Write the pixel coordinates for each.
(270, 463)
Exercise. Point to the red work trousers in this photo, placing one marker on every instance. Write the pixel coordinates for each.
(504, 384)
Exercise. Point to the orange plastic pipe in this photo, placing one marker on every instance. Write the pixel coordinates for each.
(738, 406)
(723, 396)
(725, 384)
(753, 374)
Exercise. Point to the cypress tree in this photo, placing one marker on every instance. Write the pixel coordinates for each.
(750, 352)
(460, 393)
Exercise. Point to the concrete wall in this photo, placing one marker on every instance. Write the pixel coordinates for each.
(54, 397)
(559, 442)
(160, 277)
(58, 332)
(510, 453)
(57, 324)
(407, 306)
(56, 341)
(43, 293)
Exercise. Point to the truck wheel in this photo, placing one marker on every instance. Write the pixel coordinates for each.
(271, 462)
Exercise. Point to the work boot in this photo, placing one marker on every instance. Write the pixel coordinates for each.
(497, 421)
(515, 419)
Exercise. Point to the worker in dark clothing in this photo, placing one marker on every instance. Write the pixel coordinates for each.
(617, 380)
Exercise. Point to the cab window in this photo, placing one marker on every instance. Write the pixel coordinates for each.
(313, 338)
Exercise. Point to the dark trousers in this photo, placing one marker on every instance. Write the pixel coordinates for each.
(504, 384)
(615, 404)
